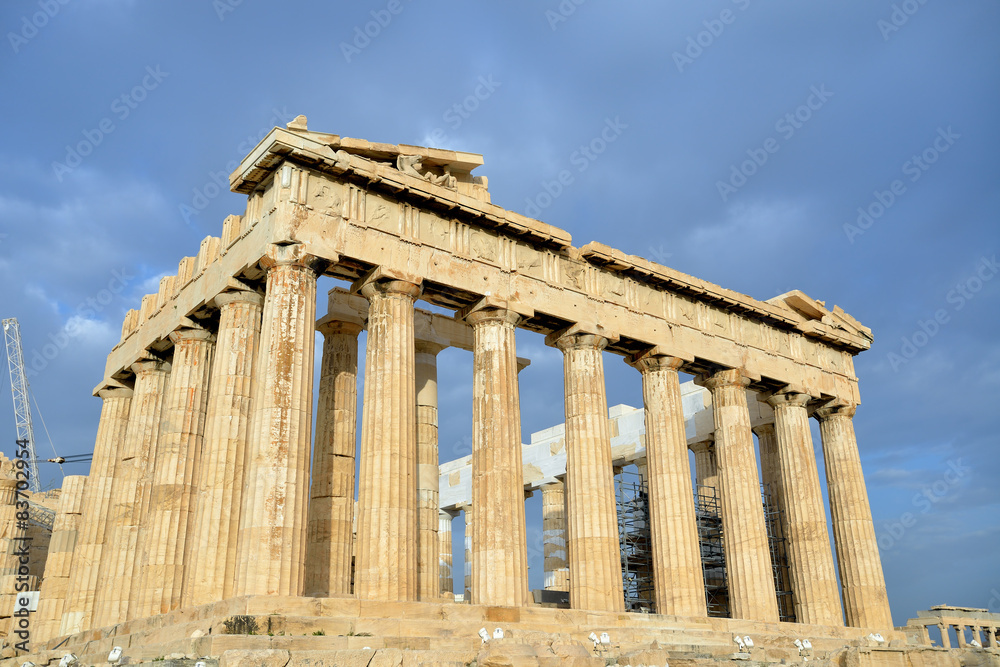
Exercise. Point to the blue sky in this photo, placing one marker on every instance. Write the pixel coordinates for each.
(747, 136)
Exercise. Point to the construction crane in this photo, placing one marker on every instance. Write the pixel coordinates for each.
(19, 388)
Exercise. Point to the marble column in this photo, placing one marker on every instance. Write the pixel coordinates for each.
(428, 557)
(744, 535)
(810, 560)
(117, 568)
(386, 562)
(945, 639)
(163, 538)
(499, 538)
(331, 507)
(960, 635)
(78, 612)
(59, 561)
(554, 533)
(445, 557)
(678, 581)
(866, 604)
(770, 476)
(273, 519)
(468, 515)
(706, 473)
(595, 573)
(210, 568)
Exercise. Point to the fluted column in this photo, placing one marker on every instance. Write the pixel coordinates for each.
(59, 562)
(386, 561)
(163, 538)
(499, 542)
(130, 487)
(468, 517)
(810, 560)
(78, 612)
(428, 565)
(744, 535)
(866, 604)
(331, 507)
(678, 580)
(945, 638)
(273, 520)
(960, 636)
(445, 556)
(595, 573)
(706, 473)
(210, 568)
(554, 536)
(770, 477)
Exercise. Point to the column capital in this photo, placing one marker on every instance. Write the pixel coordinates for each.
(764, 429)
(392, 288)
(241, 296)
(294, 255)
(702, 445)
(428, 347)
(501, 315)
(334, 327)
(577, 340)
(149, 366)
(115, 392)
(788, 399)
(191, 334)
(650, 360)
(730, 377)
(830, 411)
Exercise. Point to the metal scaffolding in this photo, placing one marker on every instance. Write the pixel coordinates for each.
(632, 497)
(637, 556)
(713, 556)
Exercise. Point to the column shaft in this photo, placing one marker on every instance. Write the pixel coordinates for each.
(469, 515)
(945, 639)
(78, 613)
(331, 507)
(554, 529)
(499, 537)
(273, 520)
(163, 538)
(678, 580)
(210, 569)
(770, 476)
(59, 562)
(814, 582)
(594, 553)
(744, 535)
(445, 557)
(386, 560)
(428, 565)
(132, 477)
(866, 604)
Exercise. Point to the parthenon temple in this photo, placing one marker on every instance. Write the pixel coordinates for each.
(228, 507)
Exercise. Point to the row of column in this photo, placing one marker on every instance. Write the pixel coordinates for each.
(986, 635)
(234, 411)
